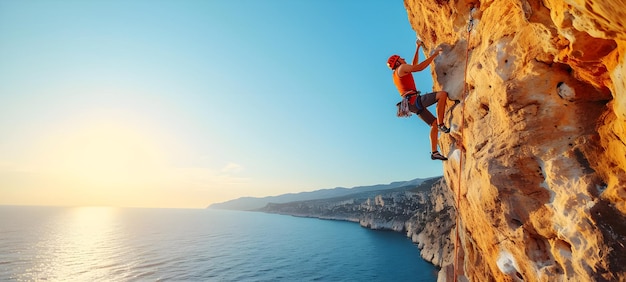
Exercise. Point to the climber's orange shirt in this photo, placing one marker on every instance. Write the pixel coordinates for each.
(404, 83)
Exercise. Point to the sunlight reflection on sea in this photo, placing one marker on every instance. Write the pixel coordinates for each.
(111, 244)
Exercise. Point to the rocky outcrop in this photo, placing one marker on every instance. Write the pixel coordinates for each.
(425, 213)
(432, 227)
(538, 143)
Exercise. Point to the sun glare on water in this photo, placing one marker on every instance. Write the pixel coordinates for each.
(77, 241)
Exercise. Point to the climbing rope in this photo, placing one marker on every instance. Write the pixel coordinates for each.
(457, 242)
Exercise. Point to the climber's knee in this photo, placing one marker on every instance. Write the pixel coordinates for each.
(434, 124)
(442, 95)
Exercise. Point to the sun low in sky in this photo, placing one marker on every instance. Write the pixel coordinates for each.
(187, 103)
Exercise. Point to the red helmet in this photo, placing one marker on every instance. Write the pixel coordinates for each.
(391, 62)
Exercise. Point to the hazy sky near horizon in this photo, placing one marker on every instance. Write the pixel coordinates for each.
(186, 103)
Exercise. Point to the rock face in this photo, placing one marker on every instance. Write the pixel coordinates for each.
(538, 143)
(425, 213)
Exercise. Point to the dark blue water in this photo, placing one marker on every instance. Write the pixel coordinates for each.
(110, 244)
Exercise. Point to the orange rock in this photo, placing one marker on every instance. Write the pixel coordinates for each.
(543, 141)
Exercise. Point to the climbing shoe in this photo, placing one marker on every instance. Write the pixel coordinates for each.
(442, 127)
(437, 156)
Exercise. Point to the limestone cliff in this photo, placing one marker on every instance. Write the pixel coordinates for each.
(538, 143)
(425, 213)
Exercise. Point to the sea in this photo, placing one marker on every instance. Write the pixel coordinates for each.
(134, 244)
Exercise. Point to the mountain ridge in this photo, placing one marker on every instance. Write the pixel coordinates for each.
(254, 203)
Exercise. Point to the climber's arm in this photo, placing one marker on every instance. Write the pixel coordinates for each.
(406, 68)
(417, 54)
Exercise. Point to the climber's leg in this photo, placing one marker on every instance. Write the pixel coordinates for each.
(442, 98)
(434, 153)
(434, 131)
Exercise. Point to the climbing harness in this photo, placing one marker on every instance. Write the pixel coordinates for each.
(403, 106)
(470, 26)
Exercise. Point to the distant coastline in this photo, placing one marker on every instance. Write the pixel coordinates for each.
(255, 203)
(422, 209)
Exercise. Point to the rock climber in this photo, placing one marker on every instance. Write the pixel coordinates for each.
(413, 102)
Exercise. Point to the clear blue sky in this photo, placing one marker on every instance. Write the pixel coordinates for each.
(185, 103)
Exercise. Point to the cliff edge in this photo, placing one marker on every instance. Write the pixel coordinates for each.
(424, 212)
(538, 143)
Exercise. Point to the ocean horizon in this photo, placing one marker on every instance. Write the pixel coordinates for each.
(147, 244)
